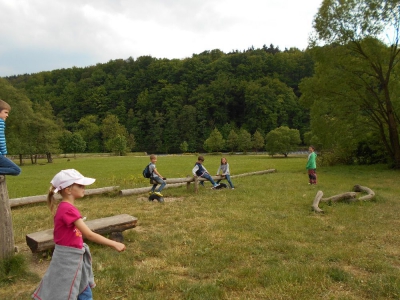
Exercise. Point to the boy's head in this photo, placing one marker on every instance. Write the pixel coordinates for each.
(200, 159)
(311, 148)
(4, 109)
(153, 158)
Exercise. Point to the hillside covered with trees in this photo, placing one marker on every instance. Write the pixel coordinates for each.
(155, 105)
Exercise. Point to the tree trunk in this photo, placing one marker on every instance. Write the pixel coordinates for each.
(49, 158)
(6, 228)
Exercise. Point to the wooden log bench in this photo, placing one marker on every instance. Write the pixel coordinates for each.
(115, 225)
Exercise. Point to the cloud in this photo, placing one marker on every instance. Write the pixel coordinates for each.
(85, 32)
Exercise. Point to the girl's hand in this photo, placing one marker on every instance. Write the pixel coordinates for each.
(119, 246)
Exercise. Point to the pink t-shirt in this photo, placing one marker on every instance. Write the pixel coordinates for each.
(65, 232)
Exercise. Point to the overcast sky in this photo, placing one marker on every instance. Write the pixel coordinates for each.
(44, 35)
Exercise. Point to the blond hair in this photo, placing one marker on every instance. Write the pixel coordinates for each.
(153, 156)
(52, 203)
(4, 105)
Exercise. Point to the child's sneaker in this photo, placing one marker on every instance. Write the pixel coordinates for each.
(158, 194)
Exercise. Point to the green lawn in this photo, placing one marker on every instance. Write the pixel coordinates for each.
(259, 241)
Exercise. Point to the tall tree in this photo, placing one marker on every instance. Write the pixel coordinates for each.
(282, 140)
(369, 32)
(215, 141)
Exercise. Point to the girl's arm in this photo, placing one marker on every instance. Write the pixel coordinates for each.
(219, 168)
(97, 238)
(227, 169)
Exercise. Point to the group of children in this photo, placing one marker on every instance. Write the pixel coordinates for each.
(71, 254)
(199, 170)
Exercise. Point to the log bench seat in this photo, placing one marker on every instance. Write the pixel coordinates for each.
(43, 240)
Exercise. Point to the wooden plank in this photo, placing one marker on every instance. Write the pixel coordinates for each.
(43, 198)
(43, 240)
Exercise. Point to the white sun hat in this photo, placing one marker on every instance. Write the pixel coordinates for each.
(68, 177)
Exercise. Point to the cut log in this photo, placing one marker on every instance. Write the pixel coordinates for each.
(146, 189)
(43, 198)
(43, 240)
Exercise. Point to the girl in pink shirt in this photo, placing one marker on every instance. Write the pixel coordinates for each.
(69, 231)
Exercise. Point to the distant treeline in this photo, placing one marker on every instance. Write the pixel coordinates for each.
(157, 104)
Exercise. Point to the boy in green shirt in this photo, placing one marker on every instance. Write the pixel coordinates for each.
(312, 166)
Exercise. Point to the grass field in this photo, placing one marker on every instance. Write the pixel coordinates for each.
(259, 241)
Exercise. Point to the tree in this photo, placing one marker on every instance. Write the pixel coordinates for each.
(72, 143)
(118, 145)
(215, 142)
(233, 140)
(282, 140)
(370, 67)
(77, 144)
(184, 147)
(110, 128)
(244, 140)
(89, 129)
(258, 141)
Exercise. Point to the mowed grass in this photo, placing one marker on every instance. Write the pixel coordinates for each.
(259, 241)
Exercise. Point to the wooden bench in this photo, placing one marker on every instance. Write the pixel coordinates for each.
(43, 240)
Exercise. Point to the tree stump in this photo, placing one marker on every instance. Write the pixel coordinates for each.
(6, 228)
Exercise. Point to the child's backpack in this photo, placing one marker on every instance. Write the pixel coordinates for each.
(146, 171)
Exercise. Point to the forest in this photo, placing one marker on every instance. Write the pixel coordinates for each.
(157, 104)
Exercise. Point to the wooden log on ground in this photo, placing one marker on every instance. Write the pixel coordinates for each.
(43, 198)
(254, 173)
(6, 228)
(370, 193)
(316, 201)
(350, 196)
(115, 225)
(146, 189)
(345, 196)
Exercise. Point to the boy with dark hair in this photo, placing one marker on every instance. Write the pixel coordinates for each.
(201, 171)
(7, 167)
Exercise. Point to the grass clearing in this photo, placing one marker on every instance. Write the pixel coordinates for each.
(259, 241)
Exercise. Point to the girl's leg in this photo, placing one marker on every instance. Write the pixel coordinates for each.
(86, 294)
(228, 178)
(8, 167)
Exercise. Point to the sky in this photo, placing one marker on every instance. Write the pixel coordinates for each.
(45, 35)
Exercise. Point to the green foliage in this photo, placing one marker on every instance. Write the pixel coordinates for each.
(244, 140)
(282, 140)
(233, 140)
(215, 142)
(355, 90)
(184, 147)
(163, 102)
(118, 145)
(258, 141)
(72, 143)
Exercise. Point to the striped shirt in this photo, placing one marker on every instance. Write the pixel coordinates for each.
(3, 145)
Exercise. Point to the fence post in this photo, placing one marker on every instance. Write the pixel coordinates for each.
(6, 228)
